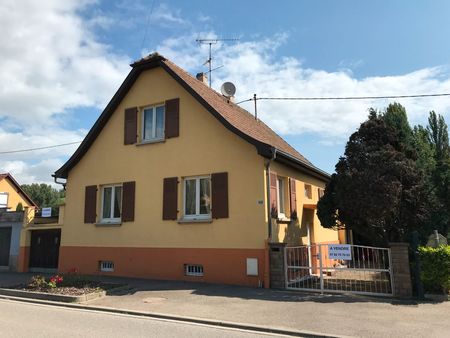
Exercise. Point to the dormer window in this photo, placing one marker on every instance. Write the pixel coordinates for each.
(153, 123)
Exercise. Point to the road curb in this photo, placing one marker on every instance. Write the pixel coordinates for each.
(155, 315)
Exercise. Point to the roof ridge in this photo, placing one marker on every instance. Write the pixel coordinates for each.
(235, 106)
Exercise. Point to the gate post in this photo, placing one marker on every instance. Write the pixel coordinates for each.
(400, 270)
(277, 265)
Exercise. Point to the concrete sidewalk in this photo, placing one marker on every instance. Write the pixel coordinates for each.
(330, 314)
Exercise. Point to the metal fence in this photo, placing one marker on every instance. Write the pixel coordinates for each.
(322, 268)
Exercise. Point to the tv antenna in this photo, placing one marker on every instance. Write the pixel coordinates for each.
(211, 42)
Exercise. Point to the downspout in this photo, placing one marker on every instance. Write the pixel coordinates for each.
(269, 223)
(269, 211)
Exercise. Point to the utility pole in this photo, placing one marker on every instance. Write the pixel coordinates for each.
(211, 42)
(256, 109)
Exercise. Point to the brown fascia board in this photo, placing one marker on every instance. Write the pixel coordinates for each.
(306, 168)
(103, 119)
(19, 189)
(139, 66)
(263, 149)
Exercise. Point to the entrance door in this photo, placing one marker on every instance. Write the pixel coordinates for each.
(44, 250)
(5, 243)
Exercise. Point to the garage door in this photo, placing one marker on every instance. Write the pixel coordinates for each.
(5, 243)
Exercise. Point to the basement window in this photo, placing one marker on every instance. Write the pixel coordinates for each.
(106, 266)
(193, 270)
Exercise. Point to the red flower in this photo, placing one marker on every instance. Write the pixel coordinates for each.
(52, 279)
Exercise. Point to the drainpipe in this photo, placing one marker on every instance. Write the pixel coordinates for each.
(269, 213)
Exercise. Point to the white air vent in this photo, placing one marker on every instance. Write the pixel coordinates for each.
(106, 266)
(193, 270)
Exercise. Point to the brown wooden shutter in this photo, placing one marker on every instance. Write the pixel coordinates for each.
(292, 198)
(130, 126)
(320, 192)
(90, 204)
(219, 189)
(273, 194)
(170, 198)
(172, 112)
(128, 201)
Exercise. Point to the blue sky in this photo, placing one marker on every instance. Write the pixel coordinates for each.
(62, 64)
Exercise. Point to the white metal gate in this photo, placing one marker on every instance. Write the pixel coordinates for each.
(365, 270)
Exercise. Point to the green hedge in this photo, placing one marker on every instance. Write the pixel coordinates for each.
(435, 264)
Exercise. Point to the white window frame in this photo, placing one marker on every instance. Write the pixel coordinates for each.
(153, 138)
(7, 200)
(281, 197)
(113, 195)
(197, 198)
(308, 191)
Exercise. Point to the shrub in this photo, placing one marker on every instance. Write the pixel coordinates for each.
(40, 283)
(37, 282)
(435, 264)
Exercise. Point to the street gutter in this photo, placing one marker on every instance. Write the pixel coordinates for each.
(161, 316)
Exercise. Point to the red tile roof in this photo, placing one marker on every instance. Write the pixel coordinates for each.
(233, 117)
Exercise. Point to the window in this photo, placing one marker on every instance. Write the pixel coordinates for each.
(3, 199)
(106, 266)
(153, 123)
(308, 191)
(193, 270)
(280, 197)
(321, 192)
(111, 203)
(197, 197)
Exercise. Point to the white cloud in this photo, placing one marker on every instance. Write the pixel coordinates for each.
(254, 68)
(50, 62)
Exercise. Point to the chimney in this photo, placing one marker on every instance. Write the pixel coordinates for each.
(202, 77)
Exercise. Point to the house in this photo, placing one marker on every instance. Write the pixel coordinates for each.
(11, 221)
(175, 181)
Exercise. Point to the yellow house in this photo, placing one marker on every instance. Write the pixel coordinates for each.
(175, 181)
(11, 221)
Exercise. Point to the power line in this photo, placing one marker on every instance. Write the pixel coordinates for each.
(40, 148)
(345, 97)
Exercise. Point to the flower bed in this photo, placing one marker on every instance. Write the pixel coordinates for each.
(70, 288)
(73, 285)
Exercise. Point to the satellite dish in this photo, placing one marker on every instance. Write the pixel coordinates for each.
(228, 89)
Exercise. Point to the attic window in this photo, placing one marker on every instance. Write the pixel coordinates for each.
(153, 123)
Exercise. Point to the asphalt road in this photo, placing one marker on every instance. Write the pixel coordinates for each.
(32, 320)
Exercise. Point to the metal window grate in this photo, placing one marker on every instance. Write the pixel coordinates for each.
(106, 266)
(193, 270)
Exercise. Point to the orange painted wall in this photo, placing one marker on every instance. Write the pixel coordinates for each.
(226, 266)
(24, 258)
